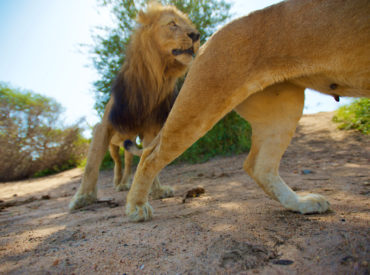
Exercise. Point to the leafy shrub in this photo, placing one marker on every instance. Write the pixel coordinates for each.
(32, 140)
(231, 135)
(354, 116)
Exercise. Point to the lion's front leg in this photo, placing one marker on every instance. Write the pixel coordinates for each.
(274, 114)
(87, 192)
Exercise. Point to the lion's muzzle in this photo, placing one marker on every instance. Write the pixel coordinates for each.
(189, 51)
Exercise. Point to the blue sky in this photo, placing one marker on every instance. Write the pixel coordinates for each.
(40, 51)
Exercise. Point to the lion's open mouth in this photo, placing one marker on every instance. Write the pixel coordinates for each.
(176, 52)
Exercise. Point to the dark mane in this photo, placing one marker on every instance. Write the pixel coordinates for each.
(130, 114)
(143, 91)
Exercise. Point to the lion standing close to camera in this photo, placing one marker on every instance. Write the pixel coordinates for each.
(260, 65)
(160, 51)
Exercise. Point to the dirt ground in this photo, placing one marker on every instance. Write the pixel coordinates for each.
(233, 228)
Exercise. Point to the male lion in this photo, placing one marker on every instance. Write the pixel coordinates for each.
(160, 51)
(259, 65)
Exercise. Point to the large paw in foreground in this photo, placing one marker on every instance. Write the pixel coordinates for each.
(164, 191)
(312, 203)
(139, 213)
(81, 200)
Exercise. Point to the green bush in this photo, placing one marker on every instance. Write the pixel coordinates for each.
(354, 116)
(32, 140)
(231, 135)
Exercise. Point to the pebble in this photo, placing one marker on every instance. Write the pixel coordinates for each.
(283, 262)
(306, 171)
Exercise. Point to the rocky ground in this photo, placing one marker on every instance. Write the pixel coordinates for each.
(233, 228)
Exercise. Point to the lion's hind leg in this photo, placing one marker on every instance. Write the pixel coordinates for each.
(125, 182)
(114, 152)
(274, 114)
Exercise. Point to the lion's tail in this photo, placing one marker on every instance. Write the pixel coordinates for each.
(132, 148)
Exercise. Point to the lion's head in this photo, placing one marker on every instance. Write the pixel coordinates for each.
(175, 36)
(160, 51)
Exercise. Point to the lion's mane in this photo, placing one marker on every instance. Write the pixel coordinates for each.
(144, 90)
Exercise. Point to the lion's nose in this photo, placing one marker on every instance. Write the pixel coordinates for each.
(194, 36)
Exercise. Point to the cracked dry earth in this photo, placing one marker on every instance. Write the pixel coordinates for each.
(233, 228)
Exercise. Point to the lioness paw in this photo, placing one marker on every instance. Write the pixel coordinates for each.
(139, 213)
(312, 203)
(123, 187)
(81, 200)
(164, 191)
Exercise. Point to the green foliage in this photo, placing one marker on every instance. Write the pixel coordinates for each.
(354, 116)
(108, 51)
(31, 140)
(231, 135)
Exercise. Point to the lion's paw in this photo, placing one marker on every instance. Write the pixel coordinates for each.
(139, 213)
(123, 187)
(312, 203)
(164, 191)
(81, 200)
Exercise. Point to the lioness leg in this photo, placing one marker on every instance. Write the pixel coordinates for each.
(87, 192)
(193, 114)
(274, 114)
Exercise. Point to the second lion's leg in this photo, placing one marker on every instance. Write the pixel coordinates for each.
(157, 191)
(125, 182)
(273, 115)
(121, 182)
(87, 192)
(114, 152)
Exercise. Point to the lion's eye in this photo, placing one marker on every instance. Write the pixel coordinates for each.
(172, 24)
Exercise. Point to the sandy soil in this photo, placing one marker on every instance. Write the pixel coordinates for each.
(233, 228)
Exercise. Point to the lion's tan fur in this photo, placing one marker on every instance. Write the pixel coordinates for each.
(158, 72)
(142, 94)
(260, 65)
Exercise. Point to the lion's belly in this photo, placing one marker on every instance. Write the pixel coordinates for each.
(118, 139)
(356, 85)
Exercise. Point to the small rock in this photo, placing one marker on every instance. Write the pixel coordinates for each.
(306, 171)
(283, 262)
(347, 259)
(195, 192)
